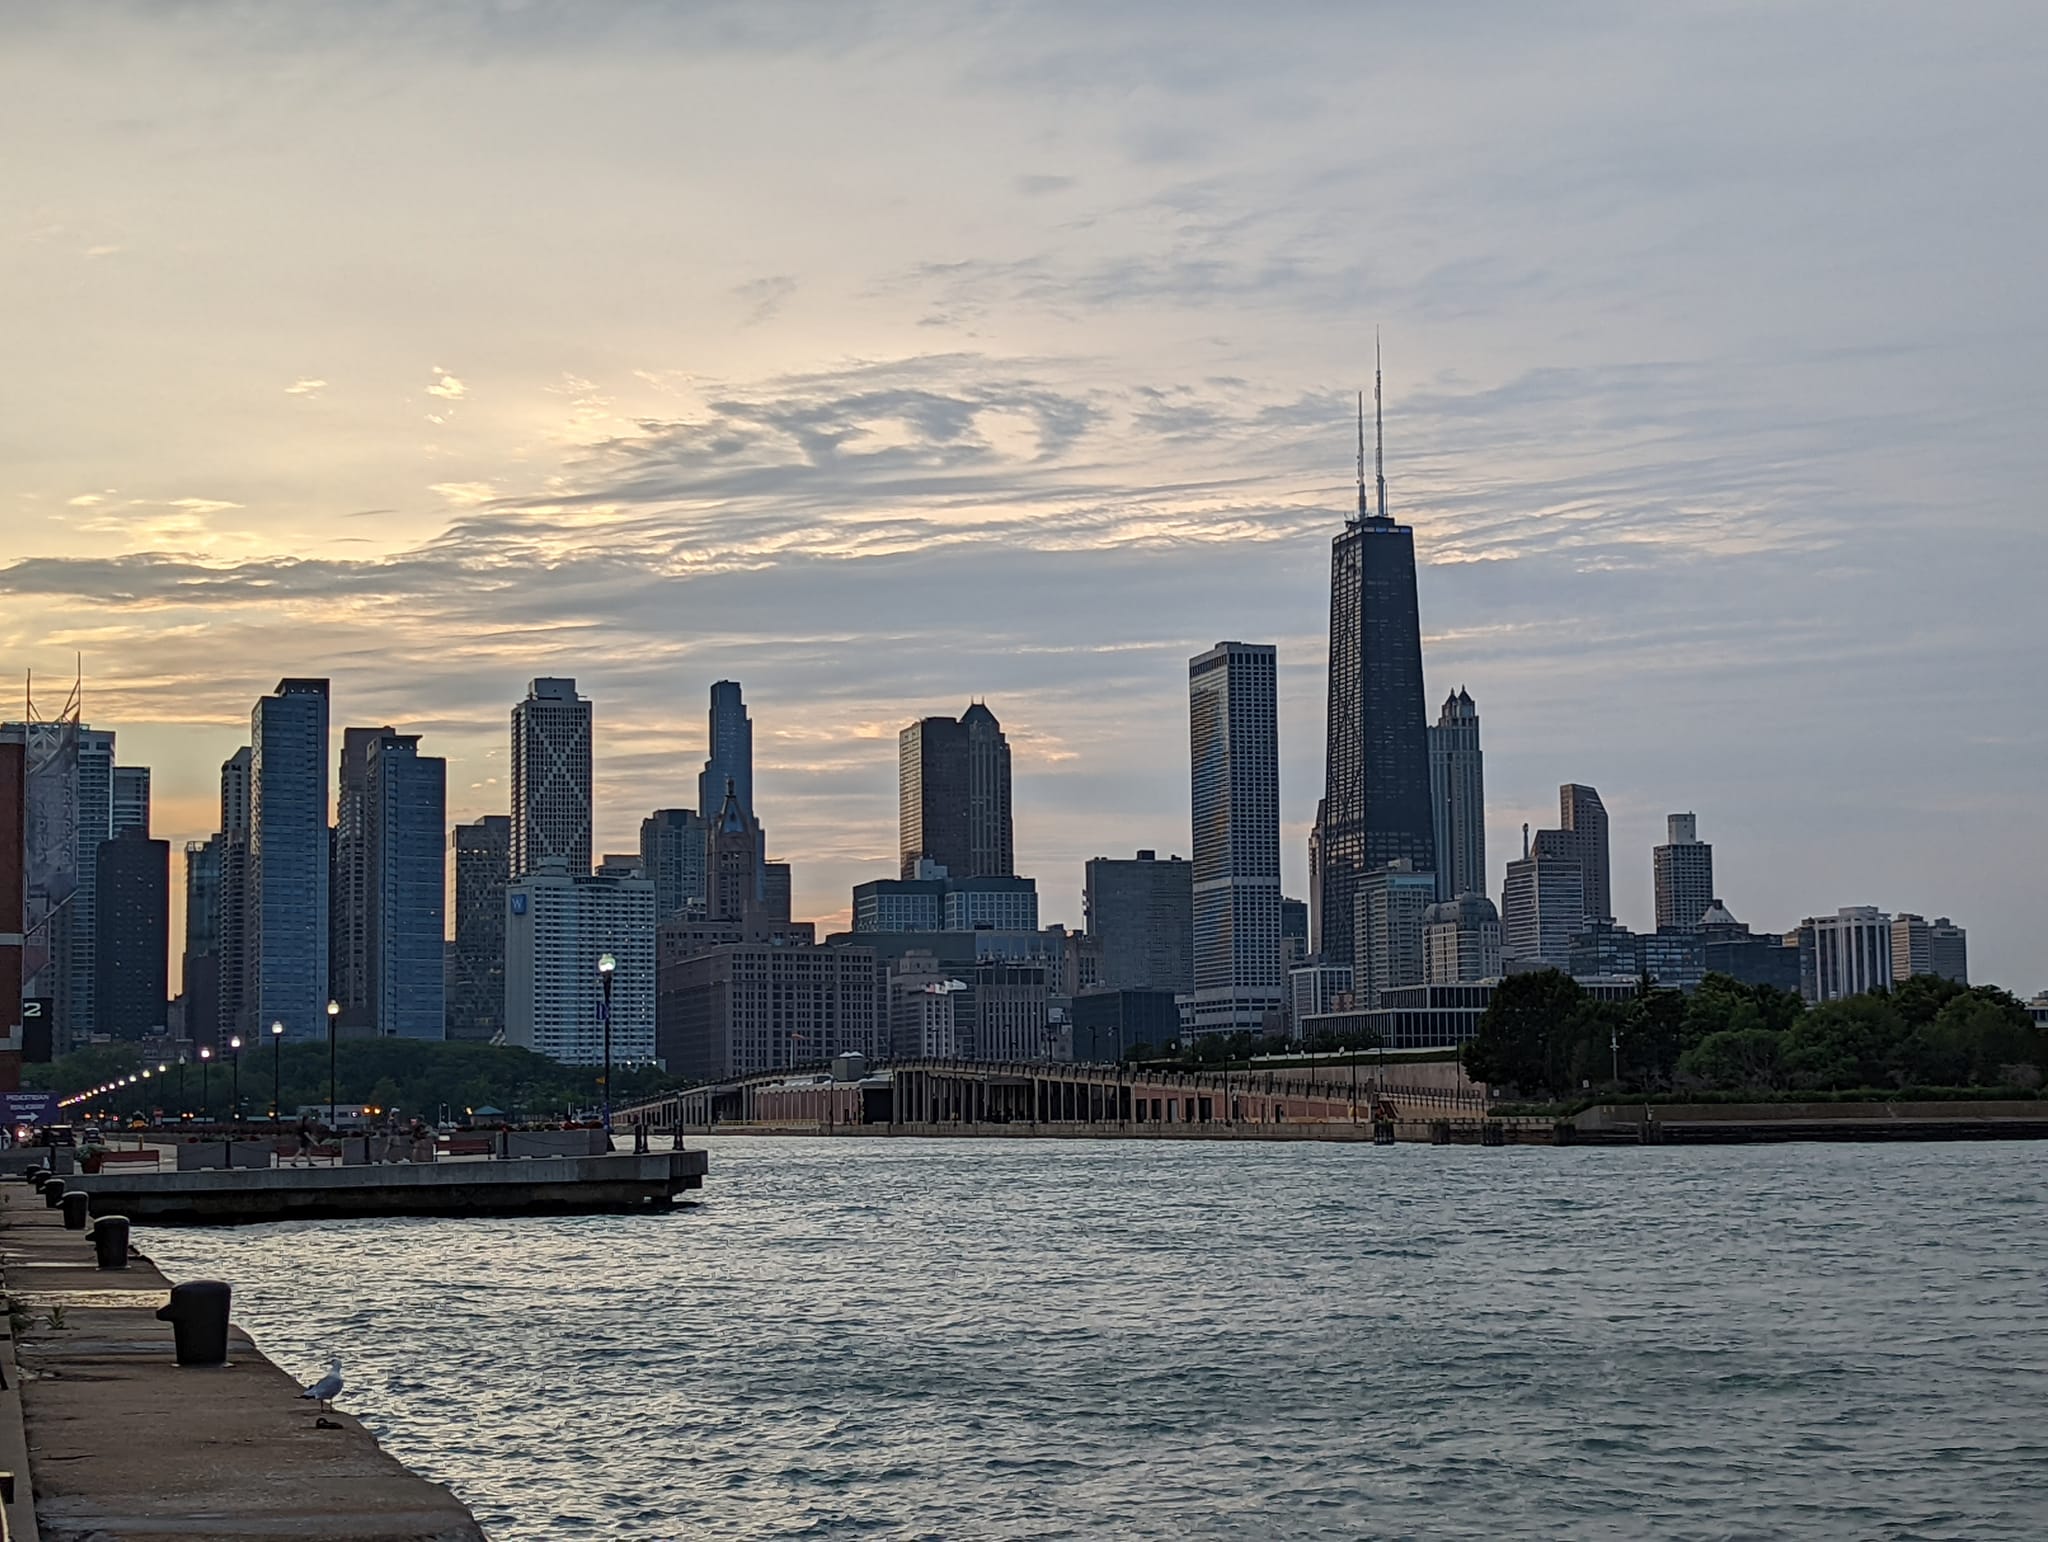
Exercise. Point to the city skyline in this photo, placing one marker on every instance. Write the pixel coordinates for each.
(1038, 443)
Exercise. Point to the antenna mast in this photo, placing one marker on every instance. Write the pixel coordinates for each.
(1379, 433)
(1363, 508)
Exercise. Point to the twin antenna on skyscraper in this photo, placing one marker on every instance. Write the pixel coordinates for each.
(1379, 446)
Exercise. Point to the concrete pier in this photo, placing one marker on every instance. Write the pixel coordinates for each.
(120, 1444)
(545, 1185)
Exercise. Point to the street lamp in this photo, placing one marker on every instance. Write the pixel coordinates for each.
(333, 1015)
(235, 1081)
(205, 1066)
(276, 1075)
(182, 1109)
(606, 965)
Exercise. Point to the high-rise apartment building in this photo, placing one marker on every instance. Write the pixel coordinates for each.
(1294, 931)
(1390, 907)
(731, 741)
(348, 946)
(1582, 833)
(287, 931)
(558, 925)
(1845, 954)
(740, 1008)
(1543, 903)
(673, 846)
(1234, 754)
(1376, 800)
(1457, 798)
(1938, 947)
(954, 796)
(1462, 941)
(74, 926)
(405, 798)
(133, 948)
(551, 778)
(200, 968)
(483, 869)
(233, 975)
(131, 799)
(1684, 871)
(1143, 910)
(14, 920)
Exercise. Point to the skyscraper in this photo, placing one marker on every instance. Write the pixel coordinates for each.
(200, 968)
(1376, 802)
(557, 927)
(405, 888)
(551, 777)
(483, 867)
(672, 852)
(1462, 940)
(954, 796)
(732, 862)
(1543, 902)
(731, 741)
(348, 945)
(1143, 910)
(1684, 870)
(287, 933)
(1234, 753)
(131, 799)
(233, 983)
(1457, 799)
(134, 926)
(1582, 824)
(13, 897)
(74, 927)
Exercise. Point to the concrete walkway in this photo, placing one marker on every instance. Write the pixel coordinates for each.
(122, 1445)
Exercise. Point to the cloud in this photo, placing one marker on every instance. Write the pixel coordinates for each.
(446, 386)
(305, 387)
(765, 297)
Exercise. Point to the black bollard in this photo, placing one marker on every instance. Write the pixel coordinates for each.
(77, 1207)
(198, 1315)
(110, 1241)
(36, 1174)
(53, 1193)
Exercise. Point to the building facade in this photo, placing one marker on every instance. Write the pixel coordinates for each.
(1461, 941)
(551, 735)
(1143, 911)
(1543, 907)
(741, 1008)
(1457, 798)
(558, 925)
(1845, 954)
(1234, 754)
(405, 889)
(1684, 871)
(1582, 833)
(232, 981)
(1938, 947)
(1390, 909)
(953, 796)
(130, 808)
(133, 948)
(288, 874)
(483, 868)
(348, 921)
(1376, 797)
(673, 843)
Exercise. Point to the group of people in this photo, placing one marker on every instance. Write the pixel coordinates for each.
(390, 1142)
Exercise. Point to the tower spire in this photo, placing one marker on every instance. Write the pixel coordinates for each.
(1363, 507)
(1379, 436)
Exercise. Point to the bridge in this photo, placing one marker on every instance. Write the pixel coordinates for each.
(914, 1095)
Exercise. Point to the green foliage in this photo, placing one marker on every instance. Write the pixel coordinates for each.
(1544, 1037)
(411, 1075)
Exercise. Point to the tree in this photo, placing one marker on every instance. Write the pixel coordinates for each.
(1524, 1039)
(1736, 1058)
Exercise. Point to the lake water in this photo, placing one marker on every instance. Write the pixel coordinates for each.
(968, 1339)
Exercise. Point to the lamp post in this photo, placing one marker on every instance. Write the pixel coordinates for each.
(606, 966)
(276, 1075)
(235, 1079)
(205, 1065)
(182, 1109)
(333, 1016)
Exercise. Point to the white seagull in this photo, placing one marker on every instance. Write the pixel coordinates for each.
(328, 1387)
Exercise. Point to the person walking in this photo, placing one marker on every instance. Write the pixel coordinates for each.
(304, 1158)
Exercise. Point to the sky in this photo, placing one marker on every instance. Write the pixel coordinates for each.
(888, 357)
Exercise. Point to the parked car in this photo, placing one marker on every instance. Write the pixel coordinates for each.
(55, 1135)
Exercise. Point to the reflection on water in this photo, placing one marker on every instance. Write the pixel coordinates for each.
(1119, 1339)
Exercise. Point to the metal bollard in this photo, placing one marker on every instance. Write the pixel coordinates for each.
(198, 1315)
(77, 1207)
(53, 1193)
(110, 1241)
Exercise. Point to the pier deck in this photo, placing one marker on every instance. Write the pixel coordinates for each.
(124, 1446)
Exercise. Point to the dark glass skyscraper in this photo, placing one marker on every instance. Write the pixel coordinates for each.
(287, 936)
(953, 796)
(1376, 805)
(404, 887)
